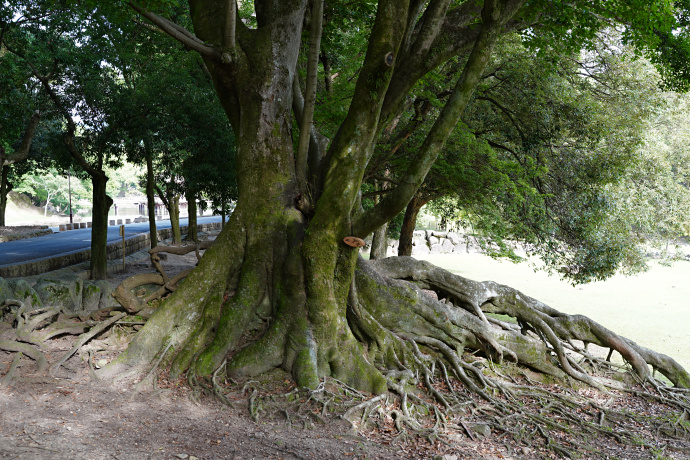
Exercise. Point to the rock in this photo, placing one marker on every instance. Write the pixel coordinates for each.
(481, 429)
(65, 291)
(419, 234)
(526, 450)
(5, 290)
(91, 299)
(447, 247)
(107, 299)
(439, 234)
(454, 238)
(460, 248)
(418, 242)
(25, 293)
(433, 240)
(435, 249)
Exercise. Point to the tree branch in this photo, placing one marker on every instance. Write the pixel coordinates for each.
(308, 112)
(179, 33)
(230, 23)
(494, 18)
(28, 137)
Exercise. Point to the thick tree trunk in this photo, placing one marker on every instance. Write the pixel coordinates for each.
(192, 233)
(5, 189)
(151, 199)
(99, 229)
(408, 225)
(379, 243)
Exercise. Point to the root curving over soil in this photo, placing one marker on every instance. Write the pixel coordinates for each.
(470, 368)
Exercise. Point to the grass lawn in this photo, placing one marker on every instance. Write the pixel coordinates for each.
(652, 308)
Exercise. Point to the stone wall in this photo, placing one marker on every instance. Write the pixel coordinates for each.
(437, 242)
(48, 264)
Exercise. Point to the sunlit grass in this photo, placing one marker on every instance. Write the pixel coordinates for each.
(651, 308)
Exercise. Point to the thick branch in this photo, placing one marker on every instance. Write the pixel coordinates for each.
(230, 24)
(23, 150)
(394, 202)
(179, 33)
(308, 112)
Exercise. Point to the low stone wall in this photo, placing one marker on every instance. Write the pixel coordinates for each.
(39, 231)
(114, 250)
(436, 242)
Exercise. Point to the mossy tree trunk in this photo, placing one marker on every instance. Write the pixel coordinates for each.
(280, 272)
(151, 198)
(171, 201)
(192, 231)
(5, 189)
(99, 228)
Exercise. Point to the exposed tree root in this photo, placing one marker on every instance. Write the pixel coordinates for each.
(125, 292)
(85, 337)
(451, 366)
(33, 327)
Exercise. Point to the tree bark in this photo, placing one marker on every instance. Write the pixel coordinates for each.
(192, 232)
(99, 227)
(5, 189)
(379, 243)
(174, 211)
(408, 225)
(151, 199)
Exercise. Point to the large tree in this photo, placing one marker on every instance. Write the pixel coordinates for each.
(281, 287)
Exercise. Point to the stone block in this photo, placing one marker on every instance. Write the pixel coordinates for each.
(438, 234)
(119, 221)
(82, 224)
(435, 249)
(62, 227)
(420, 250)
(447, 247)
(64, 291)
(128, 221)
(25, 293)
(433, 240)
(111, 222)
(89, 224)
(454, 238)
(460, 248)
(6, 291)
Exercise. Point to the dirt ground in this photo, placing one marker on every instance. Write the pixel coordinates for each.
(71, 415)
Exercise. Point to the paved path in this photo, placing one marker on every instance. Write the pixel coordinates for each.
(40, 247)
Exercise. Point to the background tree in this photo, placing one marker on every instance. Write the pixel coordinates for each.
(563, 129)
(69, 64)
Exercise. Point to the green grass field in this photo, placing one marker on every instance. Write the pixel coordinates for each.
(652, 308)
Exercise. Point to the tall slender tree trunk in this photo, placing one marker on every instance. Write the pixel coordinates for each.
(5, 189)
(192, 232)
(99, 230)
(173, 205)
(409, 223)
(151, 199)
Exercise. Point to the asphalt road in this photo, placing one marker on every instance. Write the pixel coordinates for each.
(29, 249)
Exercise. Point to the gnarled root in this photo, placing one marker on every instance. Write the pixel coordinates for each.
(552, 327)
